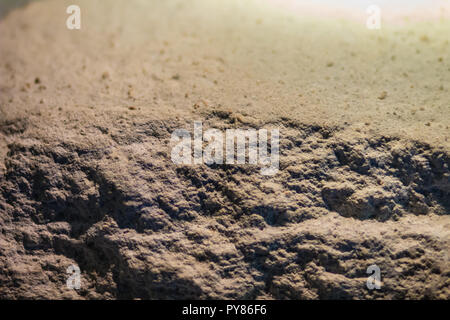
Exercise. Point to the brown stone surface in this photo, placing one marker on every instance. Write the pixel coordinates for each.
(86, 176)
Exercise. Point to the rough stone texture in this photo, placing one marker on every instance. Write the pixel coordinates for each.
(86, 176)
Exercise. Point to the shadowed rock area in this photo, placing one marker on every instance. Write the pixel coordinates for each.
(154, 230)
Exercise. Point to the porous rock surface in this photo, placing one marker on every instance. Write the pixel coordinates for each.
(86, 178)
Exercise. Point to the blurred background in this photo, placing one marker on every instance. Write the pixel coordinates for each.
(7, 5)
(398, 6)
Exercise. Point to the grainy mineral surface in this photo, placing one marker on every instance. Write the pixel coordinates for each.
(86, 176)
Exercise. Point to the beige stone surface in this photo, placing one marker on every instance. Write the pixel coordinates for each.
(86, 176)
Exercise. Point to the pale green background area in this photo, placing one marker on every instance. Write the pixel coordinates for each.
(7, 5)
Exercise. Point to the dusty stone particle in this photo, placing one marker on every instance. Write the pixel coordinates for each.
(383, 95)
